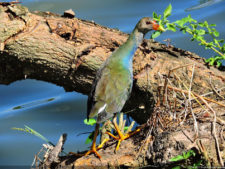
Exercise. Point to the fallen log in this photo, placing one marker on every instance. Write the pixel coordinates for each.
(69, 51)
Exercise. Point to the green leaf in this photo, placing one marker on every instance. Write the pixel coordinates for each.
(192, 39)
(194, 26)
(189, 154)
(155, 34)
(216, 42)
(210, 44)
(217, 57)
(221, 40)
(154, 15)
(177, 158)
(180, 22)
(159, 17)
(201, 32)
(90, 122)
(212, 25)
(218, 63)
(223, 48)
(210, 61)
(190, 19)
(167, 11)
(199, 38)
(171, 27)
(201, 24)
(216, 33)
(206, 24)
(185, 29)
(126, 128)
(90, 138)
(183, 21)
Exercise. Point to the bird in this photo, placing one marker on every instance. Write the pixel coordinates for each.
(112, 85)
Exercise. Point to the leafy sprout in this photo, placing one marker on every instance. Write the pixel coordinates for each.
(90, 122)
(33, 132)
(90, 137)
(198, 31)
(184, 157)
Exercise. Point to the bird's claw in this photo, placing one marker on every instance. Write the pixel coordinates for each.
(122, 137)
(94, 151)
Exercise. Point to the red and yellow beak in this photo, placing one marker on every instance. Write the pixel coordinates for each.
(158, 27)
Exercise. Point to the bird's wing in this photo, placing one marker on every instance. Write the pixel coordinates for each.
(109, 93)
(91, 99)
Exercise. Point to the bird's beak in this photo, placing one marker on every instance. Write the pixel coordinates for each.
(158, 27)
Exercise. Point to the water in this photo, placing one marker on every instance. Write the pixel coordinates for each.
(51, 111)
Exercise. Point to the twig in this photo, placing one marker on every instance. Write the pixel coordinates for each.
(53, 156)
(203, 152)
(184, 91)
(214, 131)
(184, 111)
(215, 91)
(189, 99)
(121, 121)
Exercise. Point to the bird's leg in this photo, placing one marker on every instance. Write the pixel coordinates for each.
(121, 136)
(93, 146)
(107, 126)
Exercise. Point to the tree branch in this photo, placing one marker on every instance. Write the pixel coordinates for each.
(68, 52)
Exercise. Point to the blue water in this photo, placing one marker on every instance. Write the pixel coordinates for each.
(51, 111)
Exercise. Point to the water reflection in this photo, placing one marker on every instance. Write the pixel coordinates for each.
(32, 104)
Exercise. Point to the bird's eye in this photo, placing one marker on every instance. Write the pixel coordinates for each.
(148, 22)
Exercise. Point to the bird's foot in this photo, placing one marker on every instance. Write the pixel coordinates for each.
(93, 150)
(122, 136)
(102, 143)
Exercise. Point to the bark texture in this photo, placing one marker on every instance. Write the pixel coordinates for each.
(69, 51)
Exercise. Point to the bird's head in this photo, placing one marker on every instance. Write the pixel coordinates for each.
(147, 24)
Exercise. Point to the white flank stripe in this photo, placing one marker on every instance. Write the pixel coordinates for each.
(101, 109)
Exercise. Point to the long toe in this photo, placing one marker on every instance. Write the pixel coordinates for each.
(122, 137)
(93, 151)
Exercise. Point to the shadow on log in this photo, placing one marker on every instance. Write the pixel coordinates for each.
(69, 51)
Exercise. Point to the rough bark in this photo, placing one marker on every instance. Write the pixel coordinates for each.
(69, 51)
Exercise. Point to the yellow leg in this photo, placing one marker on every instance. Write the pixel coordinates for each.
(102, 144)
(121, 136)
(93, 146)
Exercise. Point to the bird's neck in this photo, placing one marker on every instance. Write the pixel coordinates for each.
(130, 46)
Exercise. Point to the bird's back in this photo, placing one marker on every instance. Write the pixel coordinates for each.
(110, 90)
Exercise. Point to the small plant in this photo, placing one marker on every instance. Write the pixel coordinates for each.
(198, 31)
(184, 158)
(90, 122)
(33, 132)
